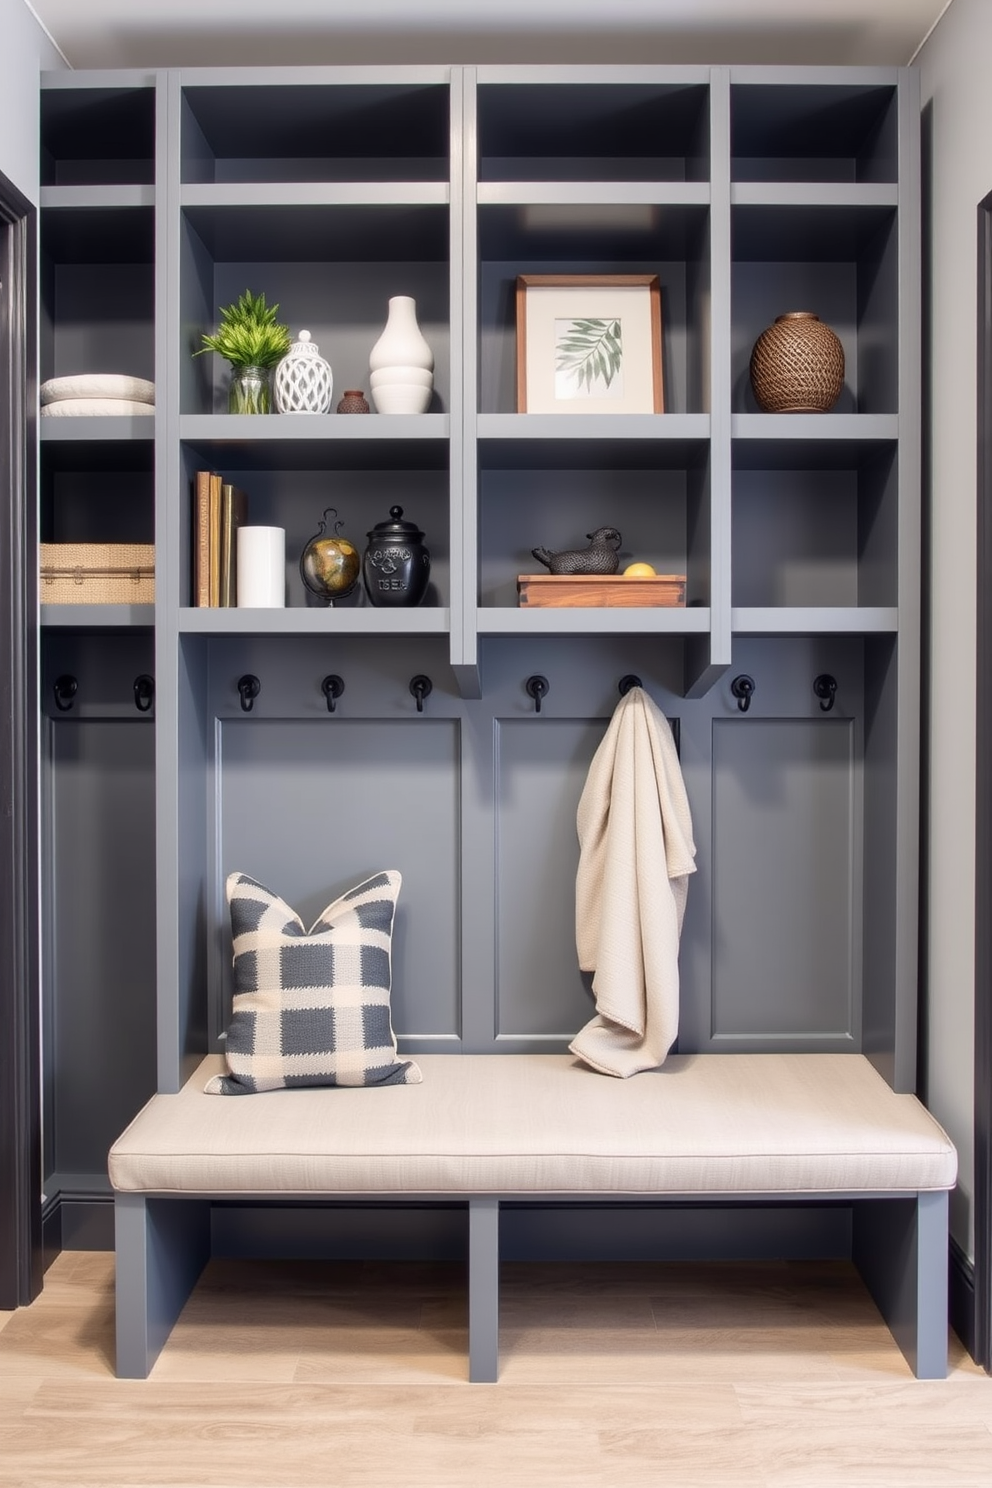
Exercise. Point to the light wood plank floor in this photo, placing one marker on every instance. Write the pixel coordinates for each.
(766, 1375)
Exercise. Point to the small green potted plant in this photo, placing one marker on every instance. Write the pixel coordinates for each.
(253, 341)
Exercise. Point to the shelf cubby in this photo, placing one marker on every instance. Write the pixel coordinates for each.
(97, 281)
(604, 238)
(316, 132)
(587, 130)
(97, 136)
(295, 495)
(815, 526)
(553, 492)
(841, 263)
(330, 269)
(814, 132)
(97, 490)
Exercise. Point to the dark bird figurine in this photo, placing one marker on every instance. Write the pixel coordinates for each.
(600, 557)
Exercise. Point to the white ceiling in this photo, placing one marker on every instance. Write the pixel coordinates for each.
(165, 33)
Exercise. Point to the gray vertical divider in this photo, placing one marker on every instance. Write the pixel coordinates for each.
(483, 1290)
(477, 950)
(171, 1034)
(703, 667)
(908, 676)
(465, 336)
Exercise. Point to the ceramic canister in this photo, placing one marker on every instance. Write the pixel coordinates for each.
(396, 566)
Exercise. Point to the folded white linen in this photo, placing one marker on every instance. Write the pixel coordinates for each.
(97, 385)
(636, 853)
(95, 407)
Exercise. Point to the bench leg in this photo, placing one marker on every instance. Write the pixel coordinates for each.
(161, 1247)
(900, 1248)
(483, 1290)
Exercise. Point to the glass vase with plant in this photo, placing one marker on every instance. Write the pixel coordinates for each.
(252, 340)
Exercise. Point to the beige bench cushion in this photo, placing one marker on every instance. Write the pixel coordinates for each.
(545, 1124)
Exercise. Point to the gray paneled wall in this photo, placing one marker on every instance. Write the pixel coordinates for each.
(474, 801)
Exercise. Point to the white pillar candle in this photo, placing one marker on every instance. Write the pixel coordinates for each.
(261, 568)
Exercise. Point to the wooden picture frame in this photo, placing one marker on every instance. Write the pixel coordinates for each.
(589, 344)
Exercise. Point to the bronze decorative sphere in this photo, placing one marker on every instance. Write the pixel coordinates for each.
(330, 565)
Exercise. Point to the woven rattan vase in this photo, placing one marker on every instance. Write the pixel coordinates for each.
(797, 365)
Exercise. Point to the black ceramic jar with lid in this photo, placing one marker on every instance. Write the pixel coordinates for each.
(396, 566)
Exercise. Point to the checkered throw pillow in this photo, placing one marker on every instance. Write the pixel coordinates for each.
(312, 1007)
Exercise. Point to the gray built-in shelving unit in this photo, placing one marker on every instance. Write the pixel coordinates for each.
(749, 191)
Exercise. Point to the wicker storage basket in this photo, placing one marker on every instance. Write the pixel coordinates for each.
(797, 365)
(97, 573)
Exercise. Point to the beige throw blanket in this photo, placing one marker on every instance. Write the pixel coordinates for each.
(636, 853)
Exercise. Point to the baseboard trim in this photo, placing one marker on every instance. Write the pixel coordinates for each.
(77, 1223)
(961, 1299)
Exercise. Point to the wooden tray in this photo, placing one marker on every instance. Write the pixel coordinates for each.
(596, 591)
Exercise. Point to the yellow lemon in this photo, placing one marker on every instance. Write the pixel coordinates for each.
(638, 571)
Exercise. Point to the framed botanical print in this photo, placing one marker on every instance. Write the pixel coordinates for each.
(589, 344)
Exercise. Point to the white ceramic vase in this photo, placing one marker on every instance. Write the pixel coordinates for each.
(402, 342)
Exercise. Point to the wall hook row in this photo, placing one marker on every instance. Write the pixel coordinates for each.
(537, 687)
(742, 688)
(332, 687)
(249, 687)
(824, 687)
(421, 687)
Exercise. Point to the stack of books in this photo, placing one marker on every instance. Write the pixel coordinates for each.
(219, 509)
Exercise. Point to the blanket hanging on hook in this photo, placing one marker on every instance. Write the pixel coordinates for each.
(636, 853)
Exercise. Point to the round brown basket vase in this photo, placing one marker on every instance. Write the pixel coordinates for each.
(797, 365)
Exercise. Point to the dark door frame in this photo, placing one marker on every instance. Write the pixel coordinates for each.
(983, 809)
(21, 1260)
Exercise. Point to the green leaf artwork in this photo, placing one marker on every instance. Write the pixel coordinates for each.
(588, 358)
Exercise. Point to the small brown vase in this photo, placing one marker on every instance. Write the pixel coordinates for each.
(354, 401)
(797, 365)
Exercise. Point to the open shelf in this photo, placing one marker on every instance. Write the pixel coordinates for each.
(354, 621)
(814, 132)
(842, 264)
(331, 270)
(318, 131)
(609, 238)
(293, 494)
(98, 617)
(97, 136)
(593, 131)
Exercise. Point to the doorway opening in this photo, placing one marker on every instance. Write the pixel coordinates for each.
(21, 1261)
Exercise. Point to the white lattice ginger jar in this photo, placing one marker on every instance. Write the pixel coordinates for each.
(304, 382)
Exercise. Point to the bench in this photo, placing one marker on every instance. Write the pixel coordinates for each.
(487, 1128)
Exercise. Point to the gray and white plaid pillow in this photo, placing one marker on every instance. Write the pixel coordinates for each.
(311, 1007)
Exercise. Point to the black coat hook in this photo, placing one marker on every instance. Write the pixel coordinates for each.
(249, 688)
(537, 687)
(825, 688)
(332, 687)
(742, 688)
(421, 687)
(144, 692)
(627, 682)
(65, 689)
